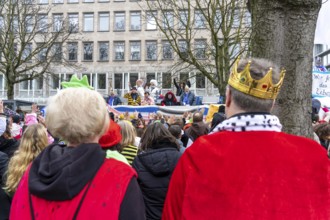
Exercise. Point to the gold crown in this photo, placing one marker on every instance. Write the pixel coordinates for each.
(262, 88)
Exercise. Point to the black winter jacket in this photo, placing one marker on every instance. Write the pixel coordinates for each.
(154, 168)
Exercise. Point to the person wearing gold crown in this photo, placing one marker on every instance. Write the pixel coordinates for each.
(248, 168)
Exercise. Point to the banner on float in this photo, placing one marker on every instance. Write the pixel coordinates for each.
(321, 84)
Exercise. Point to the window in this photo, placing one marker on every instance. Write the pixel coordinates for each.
(42, 23)
(217, 19)
(200, 21)
(104, 21)
(58, 1)
(119, 21)
(73, 51)
(103, 51)
(29, 23)
(151, 20)
(133, 77)
(118, 81)
(42, 55)
(183, 19)
(15, 24)
(234, 49)
(57, 22)
(101, 81)
(200, 81)
(183, 48)
(135, 50)
(167, 80)
(184, 77)
(27, 51)
(247, 19)
(38, 83)
(55, 81)
(43, 1)
(200, 49)
(119, 48)
(151, 47)
(168, 20)
(167, 50)
(73, 1)
(73, 22)
(136, 20)
(57, 52)
(88, 1)
(89, 22)
(88, 51)
(26, 85)
(236, 18)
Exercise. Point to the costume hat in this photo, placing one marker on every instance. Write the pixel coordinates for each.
(112, 136)
(76, 83)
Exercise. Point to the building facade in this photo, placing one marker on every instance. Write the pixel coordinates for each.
(116, 43)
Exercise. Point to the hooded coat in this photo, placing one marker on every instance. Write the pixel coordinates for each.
(77, 183)
(154, 168)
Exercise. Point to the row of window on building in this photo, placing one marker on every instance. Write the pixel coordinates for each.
(119, 21)
(152, 49)
(99, 81)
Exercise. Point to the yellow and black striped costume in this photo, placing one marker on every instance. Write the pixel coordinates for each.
(131, 101)
(129, 153)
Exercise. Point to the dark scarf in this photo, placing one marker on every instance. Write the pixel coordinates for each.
(60, 172)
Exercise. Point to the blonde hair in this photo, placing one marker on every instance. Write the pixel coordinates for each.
(33, 141)
(128, 133)
(77, 115)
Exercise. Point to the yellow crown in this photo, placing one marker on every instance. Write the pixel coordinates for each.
(262, 88)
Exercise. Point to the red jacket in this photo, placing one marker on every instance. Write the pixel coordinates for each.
(102, 200)
(250, 175)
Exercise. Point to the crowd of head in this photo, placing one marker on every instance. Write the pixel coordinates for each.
(82, 162)
(149, 94)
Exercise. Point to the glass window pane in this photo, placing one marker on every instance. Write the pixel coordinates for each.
(57, 22)
(73, 22)
(104, 21)
(42, 23)
(88, 22)
(166, 80)
(135, 50)
(103, 51)
(200, 49)
(118, 81)
(88, 51)
(57, 52)
(135, 20)
(168, 20)
(101, 81)
(200, 81)
(183, 19)
(72, 51)
(151, 20)
(119, 21)
(167, 50)
(119, 48)
(200, 21)
(151, 47)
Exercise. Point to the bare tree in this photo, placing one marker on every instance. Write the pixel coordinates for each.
(283, 31)
(204, 35)
(29, 42)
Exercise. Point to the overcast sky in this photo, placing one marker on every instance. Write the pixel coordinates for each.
(322, 33)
